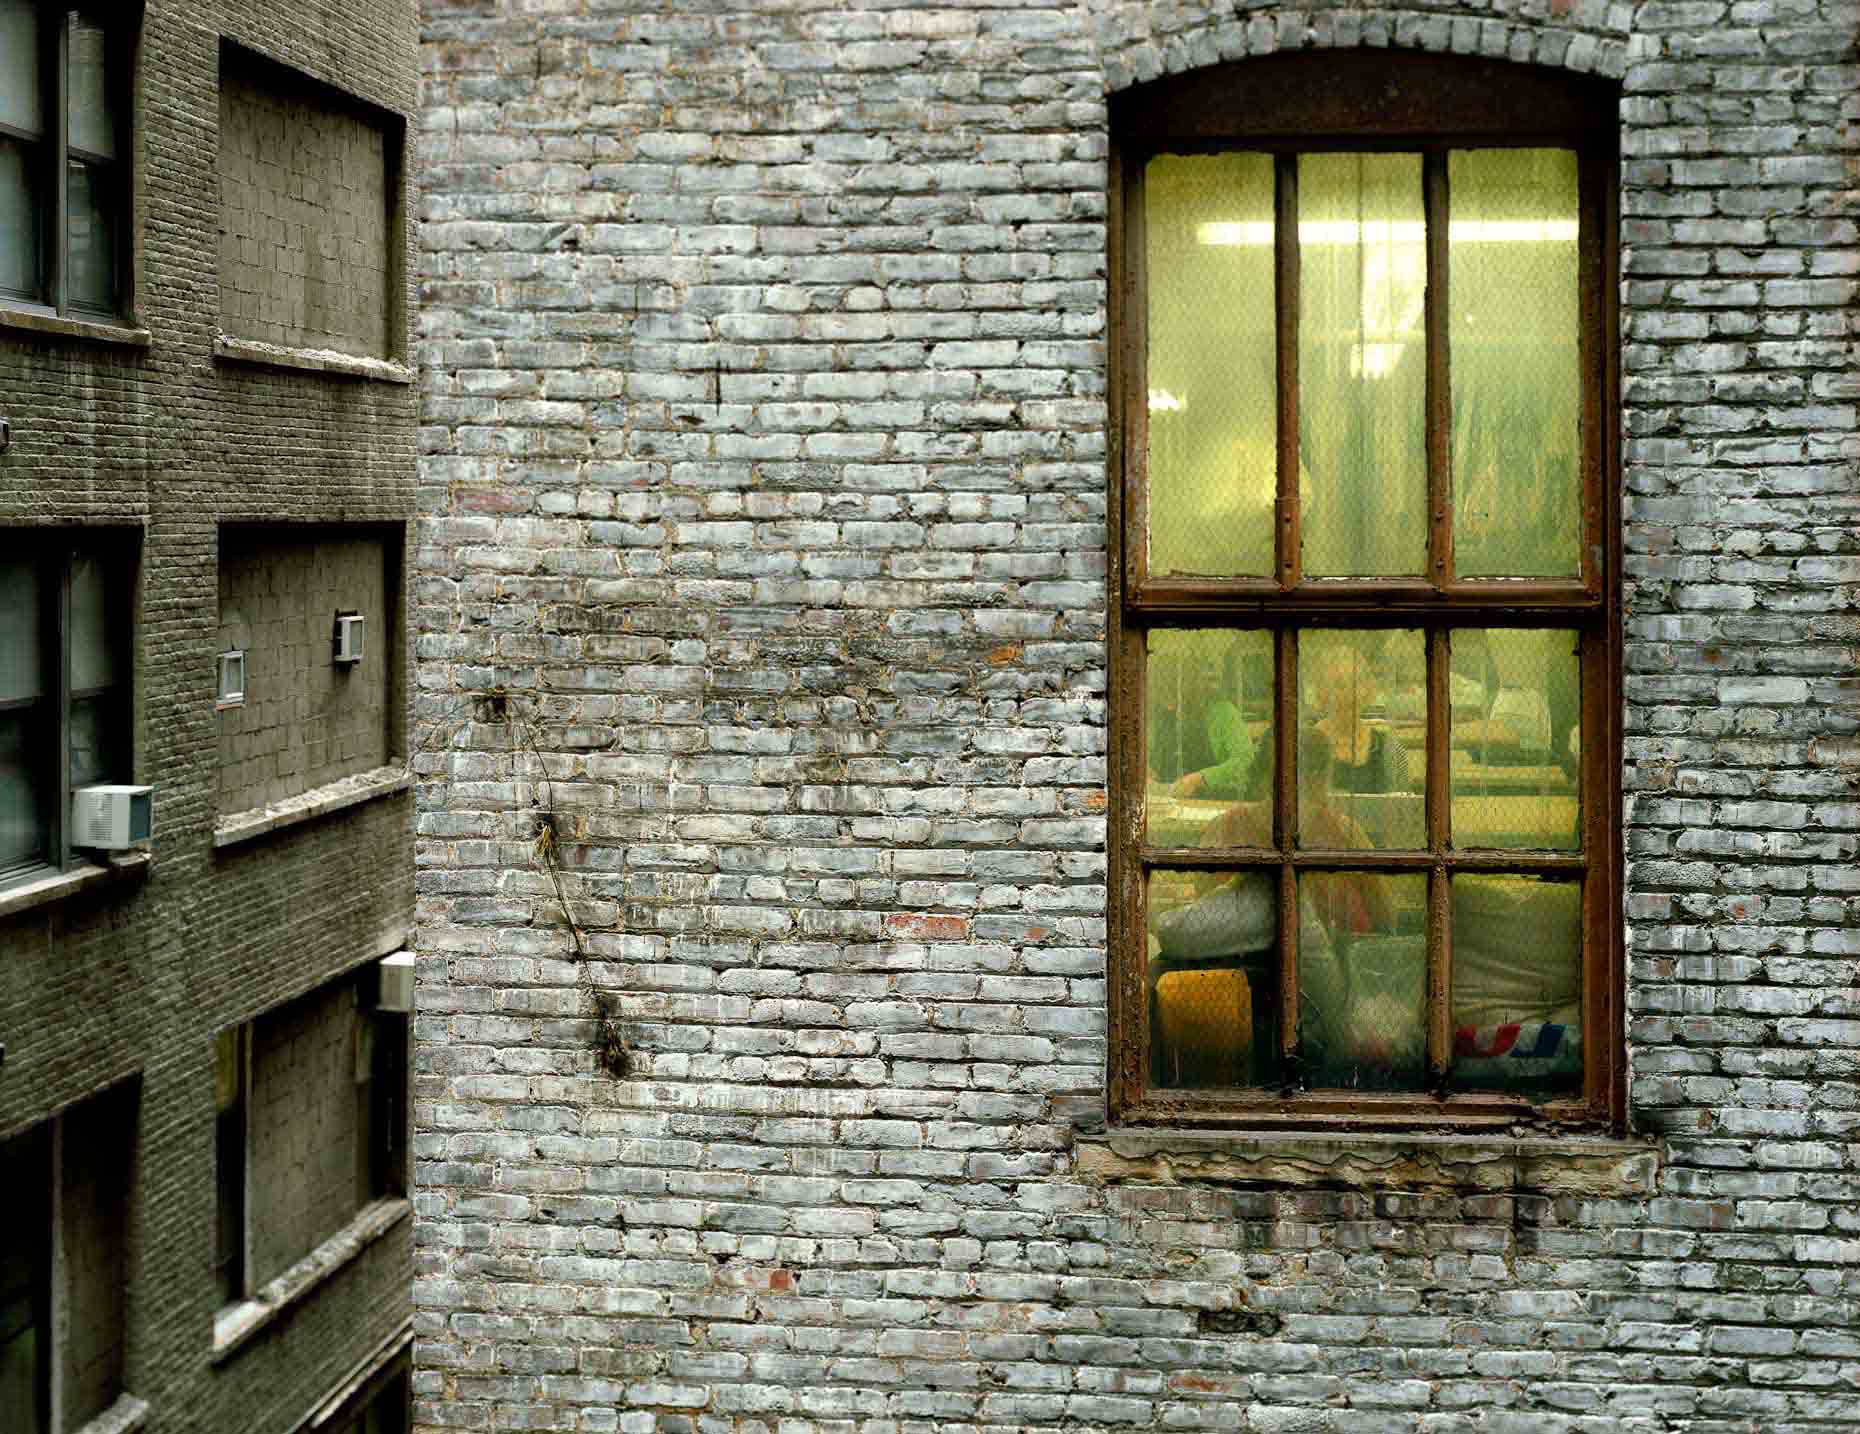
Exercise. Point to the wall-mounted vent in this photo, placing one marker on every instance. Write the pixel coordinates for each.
(348, 638)
(397, 983)
(232, 679)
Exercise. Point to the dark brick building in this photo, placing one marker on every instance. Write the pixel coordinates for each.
(207, 458)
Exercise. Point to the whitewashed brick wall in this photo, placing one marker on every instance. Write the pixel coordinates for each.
(764, 495)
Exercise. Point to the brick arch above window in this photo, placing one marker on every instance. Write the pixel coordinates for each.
(1284, 237)
(1133, 50)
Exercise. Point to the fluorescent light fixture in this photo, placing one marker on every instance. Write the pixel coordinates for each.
(1345, 231)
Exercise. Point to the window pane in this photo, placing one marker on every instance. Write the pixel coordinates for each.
(90, 251)
(1208, 736)
(20, 102)
(96, 622)
(1362, 980)
(1513, 331)
(1517, 984)
(1213, 978)
(1358, 783)
(1516, 703)
(25, 1174)
(22, 660)
(90, 114)
(25, 769)
(1212, 370)
(19, 219)
(97, 753)
(1362, 364)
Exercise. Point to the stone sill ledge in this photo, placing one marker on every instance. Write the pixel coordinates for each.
(317, 802)
(57, 885)
(43, 321)
(236, 1324)
(330, 361)
(1374, 1161)
(125, 1416)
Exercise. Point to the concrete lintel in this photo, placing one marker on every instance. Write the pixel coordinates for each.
(307, 806)
(1478, 1163)
(330, 361)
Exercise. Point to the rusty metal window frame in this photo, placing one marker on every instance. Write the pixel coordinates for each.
(1285, 106)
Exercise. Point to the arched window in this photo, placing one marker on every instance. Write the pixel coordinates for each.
(1365, 626)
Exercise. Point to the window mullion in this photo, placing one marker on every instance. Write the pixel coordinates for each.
(1439, 393)
(58, 131)
(56, 1306)
(1285, 284)
(1284, 829)
(59, 846)
(1438, 805)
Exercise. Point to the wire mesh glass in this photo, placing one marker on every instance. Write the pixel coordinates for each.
(1362, 364)
(1517, 984)
(1513, 332)
(1212, 977)
(1362, 980)
(1516, 709)
(1360, 771)
(1208, 736)
(1212, 369)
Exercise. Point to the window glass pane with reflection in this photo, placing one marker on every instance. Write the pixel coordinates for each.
(1208, 735)
(1362, 979)
(25, 1247)
(1360, 769)
(90, 112)
(1516, 704)
(25, 712)
(1517, 984)
(1513, 332)
(1213, 425)
(21, 102)
(1213, 978)
(1362, 364)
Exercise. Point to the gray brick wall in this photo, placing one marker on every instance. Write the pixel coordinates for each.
(133, 980)
(764, 464)
(305, 721)
(305, 215)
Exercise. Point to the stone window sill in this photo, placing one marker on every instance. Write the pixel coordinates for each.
(125, 1416)
(44, 321)
(1572, 1165)
(329, 361)
(36, 890)
(308, 806)
(236, 1324)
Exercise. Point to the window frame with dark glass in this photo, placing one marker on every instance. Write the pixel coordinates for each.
(1283, 107)
(50, 184)
(51, 562)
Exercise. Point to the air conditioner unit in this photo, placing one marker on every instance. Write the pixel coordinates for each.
(111, 818)
(396, 983)
(348, 638)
